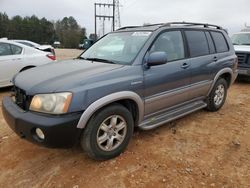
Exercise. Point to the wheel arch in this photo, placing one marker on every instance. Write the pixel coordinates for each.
(227, 74)
(27, 67)
(129, 99)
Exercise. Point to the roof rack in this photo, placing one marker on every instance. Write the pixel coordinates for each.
(206, 25)
(192, 24)
(146, 25)
(127, 27)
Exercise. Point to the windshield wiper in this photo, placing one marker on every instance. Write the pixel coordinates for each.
(99, 60)
(245, 44)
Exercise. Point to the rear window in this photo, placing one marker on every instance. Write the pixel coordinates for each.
(220, 42)
(16, 49)
(197, 43)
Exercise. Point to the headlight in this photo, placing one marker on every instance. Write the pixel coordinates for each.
(56, 103)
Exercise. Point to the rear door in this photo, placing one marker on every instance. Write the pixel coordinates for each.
(202, 57)
(167, 85)
(10, 62)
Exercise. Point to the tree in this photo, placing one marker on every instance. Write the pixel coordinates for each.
(4, 22)
(43, 31)
(69, 33)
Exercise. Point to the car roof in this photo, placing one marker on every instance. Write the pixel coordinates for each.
(28, 49)
(13, 42)
(27, 41)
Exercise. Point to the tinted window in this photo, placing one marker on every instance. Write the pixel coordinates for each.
(5, 49)
(16, 49)
(170, 42)
(197, 43)
(220, 42)
(210, 43)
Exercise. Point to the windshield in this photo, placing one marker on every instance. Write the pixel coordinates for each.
(119, 48)
(241, 39)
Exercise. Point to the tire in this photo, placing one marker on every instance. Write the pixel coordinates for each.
(102, 125)
(218, 95)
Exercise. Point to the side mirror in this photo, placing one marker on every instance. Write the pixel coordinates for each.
(157, 58)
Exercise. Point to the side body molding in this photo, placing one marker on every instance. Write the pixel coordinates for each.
(225, 70)
(107, 100)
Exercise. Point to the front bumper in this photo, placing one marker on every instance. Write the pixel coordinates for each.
(59, 130)
(243, 71)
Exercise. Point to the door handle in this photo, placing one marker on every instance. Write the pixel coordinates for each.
(215, 58)
(16, 59)
(185, 65)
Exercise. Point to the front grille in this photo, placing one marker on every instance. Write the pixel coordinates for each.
(243, 58)
(21, 99)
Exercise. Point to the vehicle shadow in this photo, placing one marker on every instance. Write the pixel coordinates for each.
(6, 89)
(243, 81)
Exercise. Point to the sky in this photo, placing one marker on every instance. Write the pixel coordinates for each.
(231, 14)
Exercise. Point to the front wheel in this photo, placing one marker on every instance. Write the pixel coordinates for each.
(218, 95)
(108, 132)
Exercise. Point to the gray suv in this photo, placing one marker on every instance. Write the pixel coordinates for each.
(142, 76)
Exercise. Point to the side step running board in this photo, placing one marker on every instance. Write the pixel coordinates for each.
(161, 119)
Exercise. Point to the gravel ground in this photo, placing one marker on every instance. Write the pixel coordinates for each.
(200, 150)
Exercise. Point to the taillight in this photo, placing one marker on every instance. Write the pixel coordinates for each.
(51, 56)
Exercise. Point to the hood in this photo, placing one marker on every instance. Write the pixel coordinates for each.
(242, 48)
(61, 76)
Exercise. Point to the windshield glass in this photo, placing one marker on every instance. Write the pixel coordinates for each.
(119, 48)
(241, 39)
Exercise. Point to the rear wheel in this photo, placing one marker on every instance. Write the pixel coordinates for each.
(218, 95)
(108, 132)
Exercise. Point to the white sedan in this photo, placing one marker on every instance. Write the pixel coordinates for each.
(16, 57)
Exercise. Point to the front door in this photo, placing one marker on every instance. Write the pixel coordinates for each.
(167, 85)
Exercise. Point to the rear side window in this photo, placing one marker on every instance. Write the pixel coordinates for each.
(5, 49)
(220, 42)
(210, 43)
(197, 43)
(16, 49)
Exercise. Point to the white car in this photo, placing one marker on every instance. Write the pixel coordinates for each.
(46, 48)
(16, 57)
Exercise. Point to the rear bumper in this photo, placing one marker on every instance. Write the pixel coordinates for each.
(59, 131)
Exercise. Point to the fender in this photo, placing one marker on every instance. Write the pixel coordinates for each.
(107, 100)
(223, 71)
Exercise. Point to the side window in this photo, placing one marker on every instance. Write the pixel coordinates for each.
(5, 49)
(197, 43)
(172, 43)
(220, 42)
(16, 49)
(210, 43)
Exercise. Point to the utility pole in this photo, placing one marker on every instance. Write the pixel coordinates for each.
(103, 17)
(115, 16)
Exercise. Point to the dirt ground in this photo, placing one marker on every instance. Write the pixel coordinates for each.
(200, 150)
